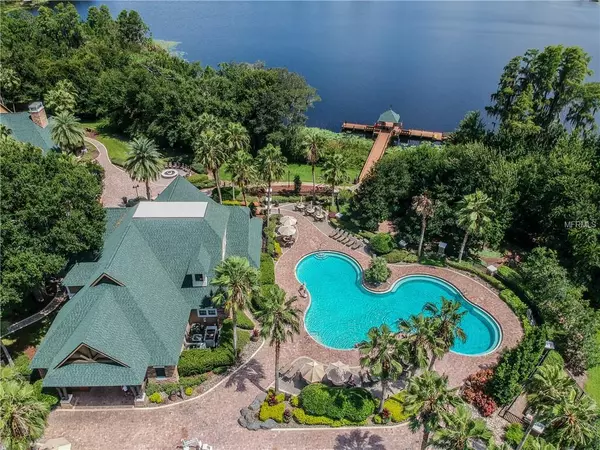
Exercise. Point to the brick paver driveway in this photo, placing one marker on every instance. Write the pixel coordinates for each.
(212, 417)
(118, 184)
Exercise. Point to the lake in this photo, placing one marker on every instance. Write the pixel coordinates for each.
(431, 60)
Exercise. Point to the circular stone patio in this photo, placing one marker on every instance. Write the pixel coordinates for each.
(313, 237)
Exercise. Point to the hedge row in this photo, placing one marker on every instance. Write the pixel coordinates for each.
(173, 388)
(354, 404)
(484, 276)
(244, 322)
(198, 361)
(267, 269)
(396, 256)
(303, 418)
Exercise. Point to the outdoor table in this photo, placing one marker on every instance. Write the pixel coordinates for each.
(300, 206)
(310, 210)
(196, 338)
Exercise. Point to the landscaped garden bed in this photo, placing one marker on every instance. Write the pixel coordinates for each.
(321, 405)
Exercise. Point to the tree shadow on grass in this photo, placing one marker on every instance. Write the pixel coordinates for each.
(252, 372)
(358, 440)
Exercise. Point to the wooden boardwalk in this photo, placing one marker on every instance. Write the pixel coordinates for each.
(377, 151)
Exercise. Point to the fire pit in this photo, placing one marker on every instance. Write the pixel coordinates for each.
(169, 173)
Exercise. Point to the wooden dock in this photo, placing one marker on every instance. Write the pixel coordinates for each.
(384, 136)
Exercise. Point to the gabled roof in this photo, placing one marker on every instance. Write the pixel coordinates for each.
(389, 116)
(25, 130)
(140, 319)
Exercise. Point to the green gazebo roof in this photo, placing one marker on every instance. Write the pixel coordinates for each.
(389, 116)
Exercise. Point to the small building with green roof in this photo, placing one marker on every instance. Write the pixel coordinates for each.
(388, 119)
(31, 126)
(130, 310)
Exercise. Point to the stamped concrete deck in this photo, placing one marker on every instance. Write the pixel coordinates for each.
(212, 417)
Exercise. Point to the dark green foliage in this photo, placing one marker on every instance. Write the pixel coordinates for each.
(267, 269)
(378, 271)
(514, 434)
(382, 243)
(516, 365)
(46, 395)
(199, 361)
(38, 237)
(354, 404)
(476, 271)
(297, 184)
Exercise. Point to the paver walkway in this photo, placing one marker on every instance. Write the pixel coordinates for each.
(118, 184)
(213, 417)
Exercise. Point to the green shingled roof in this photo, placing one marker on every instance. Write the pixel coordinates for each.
(23, 129)
(142, 323)
(389, 116)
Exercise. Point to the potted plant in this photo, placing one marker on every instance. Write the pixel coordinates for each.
(255, 335)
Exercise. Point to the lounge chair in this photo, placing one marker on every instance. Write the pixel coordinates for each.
(347, 239)
(356, 245)
(351, 242)
(340, 237)
(335, 232)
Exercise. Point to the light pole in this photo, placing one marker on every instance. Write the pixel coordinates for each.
(137, 195)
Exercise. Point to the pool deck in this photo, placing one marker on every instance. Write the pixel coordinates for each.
(315, 236)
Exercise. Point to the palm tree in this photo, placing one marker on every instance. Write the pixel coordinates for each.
(280, 321)
(573, 421)
(420, 338)
(5, 132)
(423, 206)
(67, 132)
(448, 319)
(271, 166)
(335, 172)
(474, 215)
(427, 398)
(144, 162)
(459, 430)
(313, 143)
(548, 385)
(236, 139)
(210, 152)
(382, 355)
(22, 416)
(237, 281)
(243, 171)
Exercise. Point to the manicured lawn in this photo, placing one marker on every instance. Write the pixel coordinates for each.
(116, 145)
(305, 172)
(592, 385)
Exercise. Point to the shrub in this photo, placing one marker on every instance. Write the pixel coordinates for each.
(377, 419)
(474, 392)
(297, 184)
(267, 269)
(401, 255)
(198, 361)
(156, 398)
(395, 405)
(513, 434)
(201, 181)
(45, 395)
(514, 302)
(274, 411)
(169, 388)
(307, 419)
(382, 243)
(366, 234)
(22, 366)
(152, 388)
(513, 280)
(516, 365)
(432, 259)
(192, 382)
(378, 271)
(287, 416)
(354, 404)
(244, 322)
(189, 391)
(295, 401)
(231, 203)
(220, 370)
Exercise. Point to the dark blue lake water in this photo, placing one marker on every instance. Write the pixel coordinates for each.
(432, 60)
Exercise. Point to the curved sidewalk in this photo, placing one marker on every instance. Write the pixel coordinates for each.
(117, 183)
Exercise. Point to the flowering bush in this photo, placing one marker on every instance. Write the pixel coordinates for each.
(287, 416)
(474, 392)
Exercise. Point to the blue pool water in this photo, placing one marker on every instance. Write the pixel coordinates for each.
(342, 311)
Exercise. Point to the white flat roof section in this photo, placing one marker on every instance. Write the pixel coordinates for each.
(170, 210)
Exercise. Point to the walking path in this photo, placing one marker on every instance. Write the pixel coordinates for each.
(212, 418)
(54, 303)
(118, 184)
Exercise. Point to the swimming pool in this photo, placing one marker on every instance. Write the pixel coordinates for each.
(342, 311)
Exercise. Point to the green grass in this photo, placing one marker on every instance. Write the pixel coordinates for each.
(592, 384)
(116, 145)
(305, 172)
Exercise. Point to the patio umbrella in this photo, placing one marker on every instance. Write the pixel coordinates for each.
(286, 231)
(338, 373)
(287, 221)
(313, 372)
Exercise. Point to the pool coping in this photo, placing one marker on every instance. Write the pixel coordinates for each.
(358, 266)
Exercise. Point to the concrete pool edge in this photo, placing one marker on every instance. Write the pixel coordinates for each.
(487, 315)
